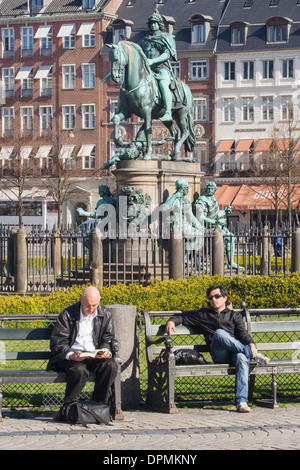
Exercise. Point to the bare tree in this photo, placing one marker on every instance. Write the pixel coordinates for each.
(279, 168)
(17, 169)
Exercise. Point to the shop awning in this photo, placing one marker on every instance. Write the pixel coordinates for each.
(43, 151)
(43, 71)
(86, 150)
(24, 72)
(283, 144)
(262, 197)
(66, 30)
(263, 145)
(25, 152)
(66, 151)
(225, 146)
(225, 195)
(42, 31)
(244, 145)
(85, 28)
(5, 153)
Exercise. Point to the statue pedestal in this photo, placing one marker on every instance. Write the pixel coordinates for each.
(157, 177)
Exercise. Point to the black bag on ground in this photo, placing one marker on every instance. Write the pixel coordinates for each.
(182, 357)
(87, 412)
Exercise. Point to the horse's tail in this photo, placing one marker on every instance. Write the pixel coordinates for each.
(190, 142)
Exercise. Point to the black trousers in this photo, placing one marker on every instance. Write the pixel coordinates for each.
(77, 374)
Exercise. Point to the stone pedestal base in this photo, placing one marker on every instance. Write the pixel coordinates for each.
(157, 178)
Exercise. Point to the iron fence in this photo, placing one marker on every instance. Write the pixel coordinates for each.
(60, 259)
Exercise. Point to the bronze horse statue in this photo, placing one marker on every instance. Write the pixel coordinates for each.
(140, 95)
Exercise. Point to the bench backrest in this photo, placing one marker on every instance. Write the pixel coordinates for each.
(20, 338)
(188, 337)
(263, 332)
(285, 331)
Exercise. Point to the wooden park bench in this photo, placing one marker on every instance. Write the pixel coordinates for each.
(12, 370)
(161, 376)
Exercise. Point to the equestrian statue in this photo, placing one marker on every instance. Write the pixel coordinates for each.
(150, 91)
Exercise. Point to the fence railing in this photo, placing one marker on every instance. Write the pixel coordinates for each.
(49, 260)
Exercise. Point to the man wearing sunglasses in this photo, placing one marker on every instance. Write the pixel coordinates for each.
(226, 336)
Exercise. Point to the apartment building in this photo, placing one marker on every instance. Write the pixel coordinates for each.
(257, 80)
(51, 93)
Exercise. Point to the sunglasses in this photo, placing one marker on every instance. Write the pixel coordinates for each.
(216, 296)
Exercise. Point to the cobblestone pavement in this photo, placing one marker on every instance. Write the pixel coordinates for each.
(187, 430)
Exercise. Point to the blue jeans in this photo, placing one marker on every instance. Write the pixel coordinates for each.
(226, 349)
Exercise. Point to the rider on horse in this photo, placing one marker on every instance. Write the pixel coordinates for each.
(159, 48)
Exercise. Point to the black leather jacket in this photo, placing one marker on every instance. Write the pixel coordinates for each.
(207, 321)
(66, 328)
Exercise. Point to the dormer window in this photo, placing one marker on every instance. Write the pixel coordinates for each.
(200, 27)
(169, 23)
(278, 29)
(35, 6)
(121, 29)
(88, 4)
(239, 32)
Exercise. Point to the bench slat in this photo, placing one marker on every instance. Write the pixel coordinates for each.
(24, 333)
(24, 355)
(273, 326)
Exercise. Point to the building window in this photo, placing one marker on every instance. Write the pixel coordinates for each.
(8, 121)
(89, 160)
(268, 69)
(199, 69)
(118, 33)
(176, 69)
(201, 109)
(69, 117)
(8, 42)
(277, 33)
(46, 45)
(229, 70)
(229, 110)
(238, 35)
(248, 70)
(287, 68)
(198, 33)
(267, 108)
(87, 31)
(247, 109)
(27, 121)
(47, 84)
(88, 75)
(287, 109)
(45, 120)
(69, 41)
(88, 116)
(88, 4)
(35, 6)
(27, 41)
(27, 85)
(8, 82)
(68, 73)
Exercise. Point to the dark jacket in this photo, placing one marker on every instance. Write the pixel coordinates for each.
(66, 328)
(207, 321)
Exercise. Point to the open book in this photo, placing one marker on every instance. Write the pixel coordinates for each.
(91, 353)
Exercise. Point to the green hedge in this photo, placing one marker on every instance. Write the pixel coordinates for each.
(257, 291)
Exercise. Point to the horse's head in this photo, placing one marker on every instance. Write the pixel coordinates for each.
(118, 61)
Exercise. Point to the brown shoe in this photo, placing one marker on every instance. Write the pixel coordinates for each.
(59, 415)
